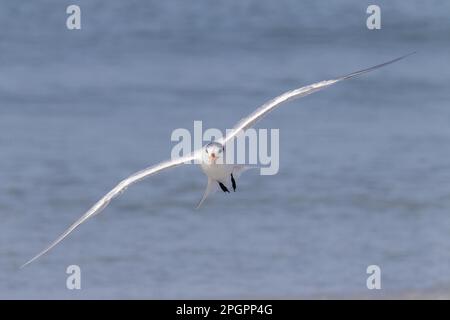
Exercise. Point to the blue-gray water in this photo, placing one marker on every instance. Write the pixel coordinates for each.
(364, 176)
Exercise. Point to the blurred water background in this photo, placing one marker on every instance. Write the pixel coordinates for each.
(364, 176)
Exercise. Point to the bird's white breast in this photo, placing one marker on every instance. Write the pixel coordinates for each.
(218, 172)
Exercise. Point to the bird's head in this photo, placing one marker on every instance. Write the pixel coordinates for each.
(212, 152)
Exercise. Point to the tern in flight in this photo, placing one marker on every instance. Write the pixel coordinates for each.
(218, 172)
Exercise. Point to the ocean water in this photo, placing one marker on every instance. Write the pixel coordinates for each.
(364, 166)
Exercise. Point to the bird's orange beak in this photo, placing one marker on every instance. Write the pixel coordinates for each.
(212, 157)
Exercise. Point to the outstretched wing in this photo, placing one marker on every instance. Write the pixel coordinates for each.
(259, 113)
(121, 187)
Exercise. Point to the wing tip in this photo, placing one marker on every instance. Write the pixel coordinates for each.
(40, 254)
(405, 56)
(43, 252)
(27, 263)
(363, 71)
(399, 58)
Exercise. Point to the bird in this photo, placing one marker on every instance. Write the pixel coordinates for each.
(210, 157)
